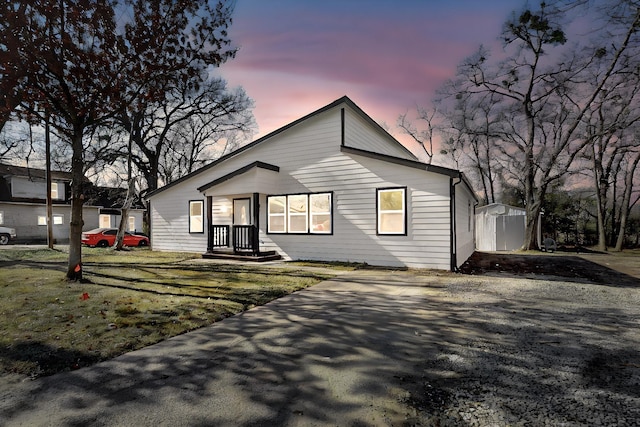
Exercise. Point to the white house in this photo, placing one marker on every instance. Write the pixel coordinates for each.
(331, 186)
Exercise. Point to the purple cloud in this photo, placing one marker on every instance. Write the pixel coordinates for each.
(295, 56)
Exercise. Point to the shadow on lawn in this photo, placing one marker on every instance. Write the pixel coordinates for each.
(43, 359)
(370, 354)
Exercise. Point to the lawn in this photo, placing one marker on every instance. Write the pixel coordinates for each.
(130, 300)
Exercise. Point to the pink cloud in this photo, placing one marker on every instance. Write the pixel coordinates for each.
(295, 58)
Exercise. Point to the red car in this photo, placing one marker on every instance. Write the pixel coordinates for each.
(103, 237)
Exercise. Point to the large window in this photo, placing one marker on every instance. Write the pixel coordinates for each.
(300, 214)
(392, 211)
(132, 223)
(196, 216)
(1, 217)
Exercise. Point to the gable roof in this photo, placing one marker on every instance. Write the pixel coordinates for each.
(260, 165)
(343, 100)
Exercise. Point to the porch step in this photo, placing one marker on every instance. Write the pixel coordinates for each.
(260, 257)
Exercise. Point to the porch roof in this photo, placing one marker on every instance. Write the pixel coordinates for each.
(253, 178)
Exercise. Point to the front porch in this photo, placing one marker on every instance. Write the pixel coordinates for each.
(233, 212)
(245, 246)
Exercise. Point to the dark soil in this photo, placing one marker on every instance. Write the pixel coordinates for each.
(563, 266)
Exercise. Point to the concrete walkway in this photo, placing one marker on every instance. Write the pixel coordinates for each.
(333, 354)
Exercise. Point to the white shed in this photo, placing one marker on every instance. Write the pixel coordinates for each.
(499, 227)
(330, 186)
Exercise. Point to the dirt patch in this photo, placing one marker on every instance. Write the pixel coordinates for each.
(562, 265)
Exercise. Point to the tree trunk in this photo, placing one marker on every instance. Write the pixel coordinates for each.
(531, 228)
(624, 209)
(47, 143)
(124, 215)
(602, 235)
(599, 183)
(74, 270)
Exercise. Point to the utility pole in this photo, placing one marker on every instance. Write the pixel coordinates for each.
(47, 144)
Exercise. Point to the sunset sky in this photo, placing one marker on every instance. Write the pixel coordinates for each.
(387, 56)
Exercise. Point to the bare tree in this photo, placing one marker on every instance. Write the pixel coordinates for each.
(545, 91)
(81, 64)
(425, 137)
(174, 134)
(470, 127)
(630, 178)
(219, 120)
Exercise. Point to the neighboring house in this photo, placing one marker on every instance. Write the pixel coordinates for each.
(331, 186)
(500, 227)
(23, 193)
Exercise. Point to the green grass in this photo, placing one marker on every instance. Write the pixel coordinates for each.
(130, 300)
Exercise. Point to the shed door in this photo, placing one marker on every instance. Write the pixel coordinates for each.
(509, 232)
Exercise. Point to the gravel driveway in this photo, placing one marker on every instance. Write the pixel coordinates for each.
(375, 348)
(533, 352)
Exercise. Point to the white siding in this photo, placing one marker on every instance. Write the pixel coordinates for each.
(310, 160)
(361, 134)
(465, 224)
(309, 142)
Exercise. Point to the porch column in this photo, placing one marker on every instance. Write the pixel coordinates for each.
(256, 223)
(209, 224)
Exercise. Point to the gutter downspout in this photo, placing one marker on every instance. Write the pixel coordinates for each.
(475, 242)
(454, 242)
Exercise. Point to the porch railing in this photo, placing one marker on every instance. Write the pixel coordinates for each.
(245, 238)
(219, 235)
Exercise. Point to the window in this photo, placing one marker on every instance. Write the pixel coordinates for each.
(320, 213)
(276, 221)
(392, 211)
(1, 217)
(105, 221)
(300, 214)
(196, 217)
(57, 219)
(54, 190)
(297, 210)
(132, 223)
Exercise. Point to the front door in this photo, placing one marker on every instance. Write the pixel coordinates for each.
(245, 236)
(242, 212)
